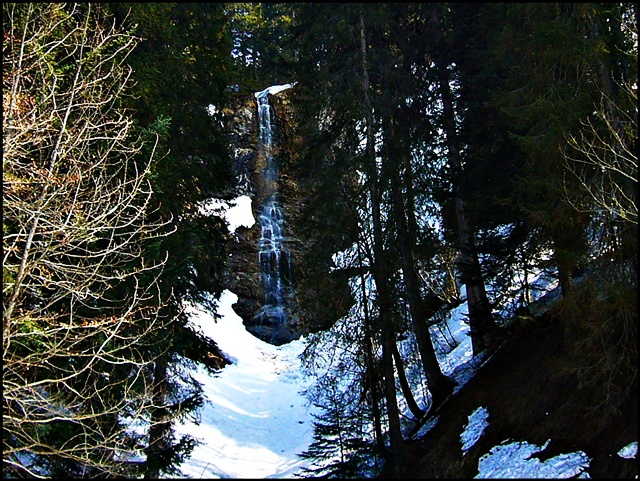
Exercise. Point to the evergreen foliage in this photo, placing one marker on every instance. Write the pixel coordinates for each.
(344, 442)
(181, 68)
(521, 81)
(341, 446)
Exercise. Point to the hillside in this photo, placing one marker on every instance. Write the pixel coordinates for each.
(533, 392)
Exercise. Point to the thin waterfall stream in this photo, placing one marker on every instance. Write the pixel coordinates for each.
(274, 258)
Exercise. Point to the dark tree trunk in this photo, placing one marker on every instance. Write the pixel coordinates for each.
(440, 386)
(371, 370)
(404, 385)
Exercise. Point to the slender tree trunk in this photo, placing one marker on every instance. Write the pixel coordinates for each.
(381, 276)
(526, 293)
(371, 371)
(404, 385)
(565, 270)
(412, 224)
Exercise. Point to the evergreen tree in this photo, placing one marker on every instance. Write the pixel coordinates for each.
(345, 359)
(181, 68)
(260, 34)
(542, 108)
(341, 448)
(323, 164)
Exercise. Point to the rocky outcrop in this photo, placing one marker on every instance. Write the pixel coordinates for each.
(242, 276)
(243, 269)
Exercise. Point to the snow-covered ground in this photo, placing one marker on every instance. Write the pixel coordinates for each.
(256, 420)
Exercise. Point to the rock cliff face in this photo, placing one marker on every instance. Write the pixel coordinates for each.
(243, 272)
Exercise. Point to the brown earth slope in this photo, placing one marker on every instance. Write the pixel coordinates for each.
(533, 393)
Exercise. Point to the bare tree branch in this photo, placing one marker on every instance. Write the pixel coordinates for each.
(605, 158)
(80, 305)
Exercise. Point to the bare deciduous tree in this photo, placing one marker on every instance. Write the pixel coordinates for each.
(607, 160)
(80, 305)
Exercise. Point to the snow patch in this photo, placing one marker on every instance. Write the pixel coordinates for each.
(236, 212)
(255, 420)
(515, 460)
(274, 89)
(630, 451)
(474, 429)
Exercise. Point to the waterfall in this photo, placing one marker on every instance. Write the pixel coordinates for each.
(274, 259)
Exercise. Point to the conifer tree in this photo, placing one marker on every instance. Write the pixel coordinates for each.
(181, 68)
(341, 446)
